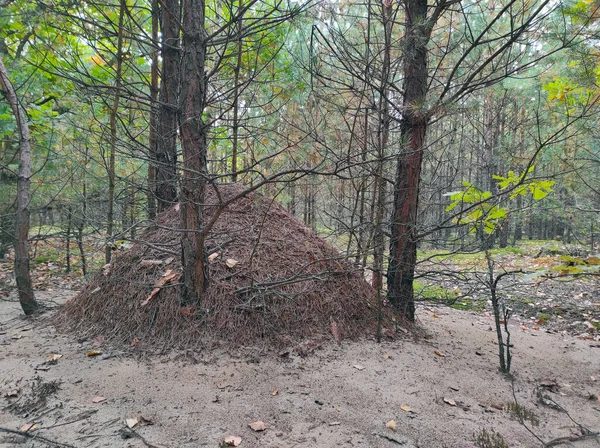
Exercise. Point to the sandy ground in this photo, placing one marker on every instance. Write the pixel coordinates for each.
(337, 396)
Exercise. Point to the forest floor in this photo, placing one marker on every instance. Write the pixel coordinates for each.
(436, 387)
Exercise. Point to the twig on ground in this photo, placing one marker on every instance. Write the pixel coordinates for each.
(561, 440)
(78, 418)
(132, 433)
(392, 439)
(35, 437)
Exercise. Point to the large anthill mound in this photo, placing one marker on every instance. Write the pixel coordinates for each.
(271, 279)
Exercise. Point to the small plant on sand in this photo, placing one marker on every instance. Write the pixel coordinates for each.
(489, 439)
(482, 214)
(521, 414)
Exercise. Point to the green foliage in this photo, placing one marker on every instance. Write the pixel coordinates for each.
(482, 213)
(538, 188)
(565, 91)
(482, 209)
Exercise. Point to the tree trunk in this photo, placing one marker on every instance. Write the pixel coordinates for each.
(22, 272)
(68, 238)
(236, 98)
(153, 132)
(166, 151)
(383, 135)
(113, 137)
(413, 125)
(193, 139)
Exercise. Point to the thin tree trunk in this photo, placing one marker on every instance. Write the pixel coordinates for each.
(68, 238)
(403, 244)
(113, 136)
(194, 143)
(166, 151)
(236, 99)
(22, 272)
(153, 132)
(383, 135)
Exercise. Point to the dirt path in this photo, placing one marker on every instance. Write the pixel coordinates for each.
(334, 397)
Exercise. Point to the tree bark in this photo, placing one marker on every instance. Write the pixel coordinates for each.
(113, 136)
(22, 272)
(153, 134)
(413, 125)
(236, 99)
(166, 151)
(194, 143)
(383, 136)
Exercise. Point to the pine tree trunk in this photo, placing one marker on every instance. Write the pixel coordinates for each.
(113, 137)
(153, 131)
(194, 143)
(403, 244)
(236, 99)
(22, 272)
(166, 151)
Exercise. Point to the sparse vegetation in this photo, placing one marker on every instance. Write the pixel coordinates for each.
(489, 439)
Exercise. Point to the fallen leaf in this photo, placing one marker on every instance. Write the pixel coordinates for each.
(403, 330)
(232, 440)
(212, 256)
(406, 408)
(359, 367)
(29, 427)
(131, 422)
(98, 399)
(535, 327)
(437, 352)
(275, 392)
(498, 406)
(53, 357)
(335, 331)
(389, 333)
(450, 401)
(391, 425)
(92, 353)
(166, 278)
(435, 316)
(257, 426)
(169, 260)
(230, 262)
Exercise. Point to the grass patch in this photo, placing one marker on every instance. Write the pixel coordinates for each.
(542, 318)
(449, 297)
(45, 259)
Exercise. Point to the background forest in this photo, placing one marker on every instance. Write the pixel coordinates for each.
(396, 130)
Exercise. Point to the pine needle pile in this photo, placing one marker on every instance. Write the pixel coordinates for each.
(271, 279)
